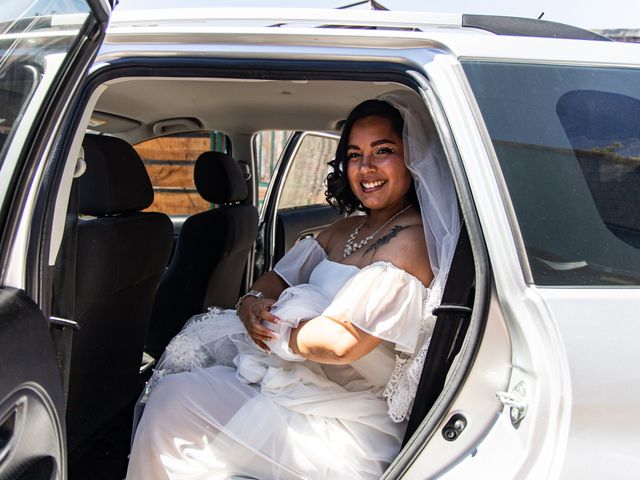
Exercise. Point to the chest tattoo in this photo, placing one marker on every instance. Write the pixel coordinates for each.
(385, 238)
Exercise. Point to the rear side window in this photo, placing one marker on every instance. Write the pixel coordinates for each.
(169, 161)
(268, 146)
(304, 184)
(568, 142)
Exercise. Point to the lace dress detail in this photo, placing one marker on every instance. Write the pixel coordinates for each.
(402, 387)
(198, 345)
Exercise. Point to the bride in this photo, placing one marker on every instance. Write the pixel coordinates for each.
(318, 383)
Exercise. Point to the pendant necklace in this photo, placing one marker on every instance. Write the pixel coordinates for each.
(351, 245)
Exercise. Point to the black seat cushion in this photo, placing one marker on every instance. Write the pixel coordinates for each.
(115, 180)
(219, 178)
(119, 261)
(211, 253)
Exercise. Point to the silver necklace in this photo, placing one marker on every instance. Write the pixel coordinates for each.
(351, 245)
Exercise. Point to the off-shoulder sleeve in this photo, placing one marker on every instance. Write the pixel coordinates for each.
(298, 263)
(384, 301)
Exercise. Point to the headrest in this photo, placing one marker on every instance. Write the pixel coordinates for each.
(115, 180)
(219, 178)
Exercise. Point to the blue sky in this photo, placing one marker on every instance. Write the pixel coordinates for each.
(581, 13)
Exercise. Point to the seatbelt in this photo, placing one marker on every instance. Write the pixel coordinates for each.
(452, 321)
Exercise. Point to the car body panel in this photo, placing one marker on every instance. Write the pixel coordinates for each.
(538, 357)
(443, 30)
(600, 331)
(477, 402)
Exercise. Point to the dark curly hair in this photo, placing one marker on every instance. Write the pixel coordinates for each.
(339, 193)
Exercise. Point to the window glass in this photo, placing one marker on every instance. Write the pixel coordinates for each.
(35, 38)
(268, 146)
(568, 142)
(304, 185)
(169, 162)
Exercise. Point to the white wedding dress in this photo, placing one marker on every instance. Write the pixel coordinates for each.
(235, 411)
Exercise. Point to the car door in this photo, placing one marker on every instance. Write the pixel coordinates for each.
(572, 174)
(550, 151)
(295, 206)
(45, 47)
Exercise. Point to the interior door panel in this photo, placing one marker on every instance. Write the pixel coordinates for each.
(297, 223)
(295, 203)
(31, 436)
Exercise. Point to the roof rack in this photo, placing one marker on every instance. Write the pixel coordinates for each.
(351, 19)
(372, 3)
(528, 27)
(279, 17)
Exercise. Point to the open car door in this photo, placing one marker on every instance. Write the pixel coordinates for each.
(46, 46)
(295, 206)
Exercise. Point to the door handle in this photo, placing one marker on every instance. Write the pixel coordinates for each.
(64, 323)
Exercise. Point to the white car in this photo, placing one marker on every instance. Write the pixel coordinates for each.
(540, 123)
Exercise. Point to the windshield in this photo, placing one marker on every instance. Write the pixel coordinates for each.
(35, 38)
(568, 142)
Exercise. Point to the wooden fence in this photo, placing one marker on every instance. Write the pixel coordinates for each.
(170, 161)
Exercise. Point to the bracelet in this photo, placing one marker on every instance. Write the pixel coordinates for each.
(250, 293)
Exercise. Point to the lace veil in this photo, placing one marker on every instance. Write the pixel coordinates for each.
(439, 208)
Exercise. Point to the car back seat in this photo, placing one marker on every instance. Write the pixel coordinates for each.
(121, 254)
(211, 253)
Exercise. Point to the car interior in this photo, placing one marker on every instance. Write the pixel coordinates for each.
(131, 278)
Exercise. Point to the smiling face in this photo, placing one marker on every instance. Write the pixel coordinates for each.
(376, 170)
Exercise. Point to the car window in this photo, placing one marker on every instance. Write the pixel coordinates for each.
(568, 142)
(304, 182)
(268, 146)
(35, 38)
(169, 161)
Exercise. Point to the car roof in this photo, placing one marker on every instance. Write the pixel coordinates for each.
(461, 35)
(372, 19)
(132, 110)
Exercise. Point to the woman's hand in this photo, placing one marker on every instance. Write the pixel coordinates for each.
(252, 312)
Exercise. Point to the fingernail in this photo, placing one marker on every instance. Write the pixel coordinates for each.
(275, 336)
